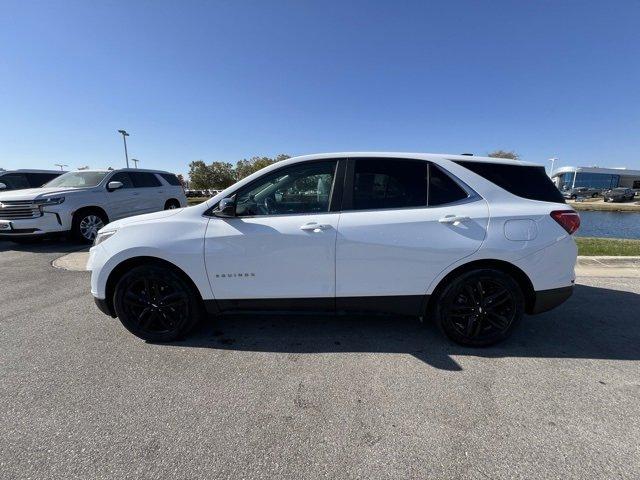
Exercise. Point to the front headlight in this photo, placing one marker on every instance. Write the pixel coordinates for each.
(102, 236)
(50, 201)
(47, 202)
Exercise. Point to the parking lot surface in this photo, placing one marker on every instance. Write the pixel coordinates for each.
(308, 397)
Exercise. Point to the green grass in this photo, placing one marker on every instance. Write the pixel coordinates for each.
(590, 246)
(196, 200)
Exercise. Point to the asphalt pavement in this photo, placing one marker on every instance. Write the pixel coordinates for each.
(308, 397)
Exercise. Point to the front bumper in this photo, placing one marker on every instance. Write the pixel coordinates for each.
(48, 223)
(548, 299)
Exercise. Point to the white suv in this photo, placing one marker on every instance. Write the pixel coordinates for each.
(84, 201)
(472, 242)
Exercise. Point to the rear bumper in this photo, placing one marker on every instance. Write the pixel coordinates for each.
(548, 299)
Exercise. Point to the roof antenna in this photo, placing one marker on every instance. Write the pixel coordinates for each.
(467, 154)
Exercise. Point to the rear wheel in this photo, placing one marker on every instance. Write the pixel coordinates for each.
(480, 307)
(156, 303)
(86, 224)
(171, 205)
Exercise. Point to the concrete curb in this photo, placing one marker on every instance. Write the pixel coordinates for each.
(608, 262)
(75, 262)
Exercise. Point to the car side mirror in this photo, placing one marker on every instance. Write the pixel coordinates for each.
(3, 186)
(226, 208)
(111, 186)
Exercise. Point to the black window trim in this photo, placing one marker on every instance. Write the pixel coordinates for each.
(153, 174)
(116, 173)
(347, 202)
(335, 197)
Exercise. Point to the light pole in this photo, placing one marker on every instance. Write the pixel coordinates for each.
(553, 162)
(61, 165)
(124, 138)
(135, 162)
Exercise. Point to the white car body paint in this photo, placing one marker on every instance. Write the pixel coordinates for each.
(395, 252)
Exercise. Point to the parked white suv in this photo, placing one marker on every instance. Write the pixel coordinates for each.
(84, 201)
(472, 242)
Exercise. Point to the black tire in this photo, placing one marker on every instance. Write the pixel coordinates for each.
(480, 308)
(156, 303)
(86, 223)
(574, 197)
(171, 204)
(595, 195)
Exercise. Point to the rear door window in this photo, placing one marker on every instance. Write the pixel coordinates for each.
(381, 183)
(443, 189)
(144, 180)
(524, 181)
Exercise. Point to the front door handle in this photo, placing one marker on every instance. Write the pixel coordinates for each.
(454, 219)
(314, 227)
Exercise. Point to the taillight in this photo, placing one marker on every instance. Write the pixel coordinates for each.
(568, 219)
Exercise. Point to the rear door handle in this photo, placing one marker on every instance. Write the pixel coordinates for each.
(454, 219)
(314, 227)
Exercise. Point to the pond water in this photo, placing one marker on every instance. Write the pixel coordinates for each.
(609, 224)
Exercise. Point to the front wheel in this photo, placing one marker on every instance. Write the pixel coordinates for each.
(156, 303)
(480, 308)
(86, 224)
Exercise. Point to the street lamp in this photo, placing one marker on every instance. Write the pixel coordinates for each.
(553, 162)
(135, 162)
(61, 165)
(124, 138)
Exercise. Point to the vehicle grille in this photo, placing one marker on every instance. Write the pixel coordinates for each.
(18, 209)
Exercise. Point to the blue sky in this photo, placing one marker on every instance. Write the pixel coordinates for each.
(228, 80)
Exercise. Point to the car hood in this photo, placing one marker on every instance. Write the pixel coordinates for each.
(147, 217)
(36, 193)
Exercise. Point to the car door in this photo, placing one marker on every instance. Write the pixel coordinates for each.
(403, 222)
(278, 252)
(149, 192)
(120, 203)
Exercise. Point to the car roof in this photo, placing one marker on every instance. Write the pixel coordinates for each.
(144, 170)
(421, 156)
(31, 170)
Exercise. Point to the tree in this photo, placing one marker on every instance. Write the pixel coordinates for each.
(199, 175)
(220, 175)
(182, 181)
(245, 167)
(505, 154)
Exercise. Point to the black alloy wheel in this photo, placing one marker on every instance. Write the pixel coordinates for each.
(156, 304)
(480, 308)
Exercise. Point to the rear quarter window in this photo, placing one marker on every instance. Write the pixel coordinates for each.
(521, 180)
(171, 179)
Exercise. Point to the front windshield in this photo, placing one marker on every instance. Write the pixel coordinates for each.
(77, 179)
